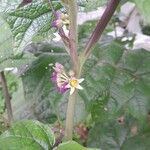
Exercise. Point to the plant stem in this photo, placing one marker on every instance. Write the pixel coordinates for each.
(70, 116)
(73, 36)
(72, 11)
(7, 97)
(101, 25)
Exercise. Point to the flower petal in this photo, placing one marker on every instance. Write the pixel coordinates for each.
(79, 87)
(81, 80)
(72, 89)
(68, 86)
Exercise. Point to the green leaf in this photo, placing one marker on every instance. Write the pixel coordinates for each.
(143, 5)
(72, 145)
(6, 40)
(4, 5)
(113, 133)
(139, 142)
(30, 21)
(7, 57)
(27, 135)
(119, 82)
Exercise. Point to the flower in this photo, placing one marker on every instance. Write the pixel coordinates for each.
(60, 78)
(60, 20)
(74, 84)
(57, 23)
(64, 81)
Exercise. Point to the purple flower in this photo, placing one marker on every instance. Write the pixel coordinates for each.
(59, 78)
(57, 23)
(63, 88)
(63, 82)
(60, 19)
(57, 15)
(54, 77)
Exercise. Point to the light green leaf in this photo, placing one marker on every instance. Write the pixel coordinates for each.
(143, 6)
(30, 21)
(72, 145)
(7, 57)
(5, 4)
(6, 40)
(27, 135)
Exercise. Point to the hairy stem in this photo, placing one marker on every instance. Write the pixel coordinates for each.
(101, 25)
(72, 11)
(70, 116)
(73, 36)
(7, 97)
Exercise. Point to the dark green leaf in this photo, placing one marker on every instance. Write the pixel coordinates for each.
(119, 81)
(140, 142)
(27, 135)
(112, 134)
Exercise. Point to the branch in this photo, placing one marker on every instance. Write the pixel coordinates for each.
(70, 116)
(72, 12)
(101, 25)
(6, 96)
(51, 5)
(24, 2)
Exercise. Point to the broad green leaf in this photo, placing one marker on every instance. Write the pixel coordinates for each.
(27, 135)
(7, 57)
(112, 134)
(4, 4)
(30, 21)
(139, 142)
(72, 145)
(119, 80)
(6, 40)
(143, 6)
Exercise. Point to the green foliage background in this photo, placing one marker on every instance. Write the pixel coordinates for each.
(117, 80)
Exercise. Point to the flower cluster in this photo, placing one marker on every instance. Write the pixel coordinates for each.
(65, 81)
(61, 19)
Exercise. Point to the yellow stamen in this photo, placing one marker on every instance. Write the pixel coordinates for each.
(74, 83)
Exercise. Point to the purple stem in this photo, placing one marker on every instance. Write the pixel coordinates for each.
(101, 25)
